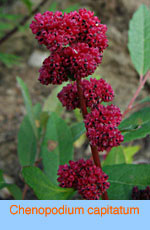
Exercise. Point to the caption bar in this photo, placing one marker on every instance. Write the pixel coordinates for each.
(66, 210)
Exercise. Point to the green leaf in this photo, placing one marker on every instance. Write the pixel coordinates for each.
(28, 103)
(10, 17)
(37, 110)
(27, 144)
(28, 4)
(52, 104)
(15, 191)
(78, 115)
(53, 7)
(139, 133)
(136, 119)
(124, 177)
(129, 152)
(1, 179)
(115, 156)
(1, 175)
(77, 130)
(44, 119)
(146, 99)
(23, 28)
(42, 186)
(137, 125)
(139, 39)
(57, 146)
(5, 26)
(9, 59)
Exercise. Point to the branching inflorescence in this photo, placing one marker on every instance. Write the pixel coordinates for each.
(76, 42)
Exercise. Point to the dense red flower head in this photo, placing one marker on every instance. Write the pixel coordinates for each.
(73, 62)
(95, 91)
(76, 41)
(143, 194)
(68, 96)
(101, 125)
(84, 176)
(56, 30)
(53, 71)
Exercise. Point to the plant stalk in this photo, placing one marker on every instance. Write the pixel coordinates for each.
(93, 148)
(142, 83)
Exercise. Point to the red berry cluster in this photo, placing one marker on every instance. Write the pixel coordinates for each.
(76, 41)
(143, 194)
(95, 91)
(56, 30)
(85, 177)
(101, 124)
(73, 62)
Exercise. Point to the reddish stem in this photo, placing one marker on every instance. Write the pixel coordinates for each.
(142, 83)
(26, 187)
(24, 191)
(141, 78)
(84, 113)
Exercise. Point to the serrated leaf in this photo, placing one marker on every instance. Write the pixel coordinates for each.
(115, 156)
(42, 186)
(28, 103)
(139, 39)
(27, 144)
(124, 177)
(129, 152)
(57, 146)
(77, 130)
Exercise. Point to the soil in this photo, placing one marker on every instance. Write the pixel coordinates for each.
(116, 68)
